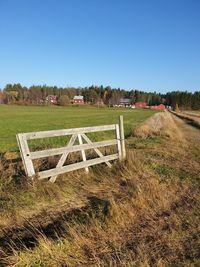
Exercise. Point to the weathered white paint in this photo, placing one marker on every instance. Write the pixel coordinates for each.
(25, 153)
(59, 151)
(80, 133)
(56, 133)
(96, 149)
(118, 141)
(121, 128)
(82, 150)
(64, 157)
(76, 166)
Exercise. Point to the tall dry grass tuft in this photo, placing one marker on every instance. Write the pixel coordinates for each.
(160, 124)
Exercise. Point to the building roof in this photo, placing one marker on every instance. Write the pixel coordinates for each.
(125, 100)
(78, 97)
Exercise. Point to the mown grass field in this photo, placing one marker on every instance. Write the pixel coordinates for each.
(19, 119)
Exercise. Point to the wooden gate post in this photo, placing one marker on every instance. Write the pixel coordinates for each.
(121, 129)
(25, 153)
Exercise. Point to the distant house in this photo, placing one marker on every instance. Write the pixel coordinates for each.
(158, 107)
(53, 99)
(78, 99)
(140, 104)
(125, 102)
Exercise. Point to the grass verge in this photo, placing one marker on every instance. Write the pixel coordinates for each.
(142, 212)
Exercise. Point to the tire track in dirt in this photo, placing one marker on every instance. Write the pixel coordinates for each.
(190, 130)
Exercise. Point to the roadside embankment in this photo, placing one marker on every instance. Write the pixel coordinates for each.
(160, 124)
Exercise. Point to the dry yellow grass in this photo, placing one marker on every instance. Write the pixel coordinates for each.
(144, 212)
(161, 123)
(143, 227)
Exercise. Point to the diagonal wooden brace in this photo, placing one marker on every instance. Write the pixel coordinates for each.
(96, 149)
(64, 157)
(82, 151)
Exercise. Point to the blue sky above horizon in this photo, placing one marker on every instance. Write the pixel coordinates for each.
(132, 44)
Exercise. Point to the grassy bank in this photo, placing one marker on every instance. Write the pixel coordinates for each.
(143, 212)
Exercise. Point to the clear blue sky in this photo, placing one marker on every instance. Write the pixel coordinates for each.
(143, 44)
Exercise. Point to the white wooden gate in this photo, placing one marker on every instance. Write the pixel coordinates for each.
(76, 134)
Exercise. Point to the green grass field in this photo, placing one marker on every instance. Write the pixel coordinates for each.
(19, 119)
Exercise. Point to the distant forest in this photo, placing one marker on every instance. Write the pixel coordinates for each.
(36, 94)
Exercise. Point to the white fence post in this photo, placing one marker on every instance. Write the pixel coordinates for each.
(119, 148)
(121, 128)
(25, 153)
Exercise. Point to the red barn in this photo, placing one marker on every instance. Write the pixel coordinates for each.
(78, 99)
(140, 104)
(159, 107)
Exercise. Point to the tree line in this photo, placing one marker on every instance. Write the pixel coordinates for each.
(37, 94)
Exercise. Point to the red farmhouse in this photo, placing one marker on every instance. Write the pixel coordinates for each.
(78, 99)
(140, 104)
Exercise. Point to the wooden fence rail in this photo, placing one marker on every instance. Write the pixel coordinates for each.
(76, 134)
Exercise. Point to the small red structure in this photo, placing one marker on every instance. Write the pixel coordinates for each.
(53, 99)
(158, 107)
(140, 104)
(78, 99)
